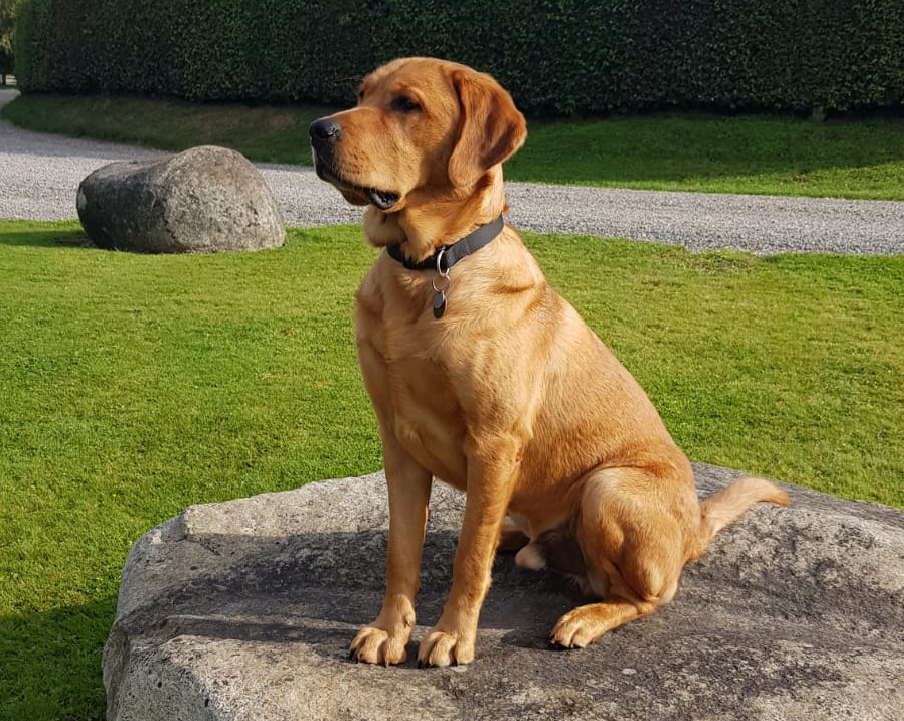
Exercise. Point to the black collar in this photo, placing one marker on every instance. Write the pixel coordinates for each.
(449, 255)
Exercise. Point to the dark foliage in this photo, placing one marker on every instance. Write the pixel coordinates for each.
(556, 56)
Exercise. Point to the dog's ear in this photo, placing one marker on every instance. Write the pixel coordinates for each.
(491, 128)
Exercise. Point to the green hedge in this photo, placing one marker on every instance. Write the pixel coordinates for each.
(556, 56)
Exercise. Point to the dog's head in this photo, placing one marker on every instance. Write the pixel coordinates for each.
(424, 131)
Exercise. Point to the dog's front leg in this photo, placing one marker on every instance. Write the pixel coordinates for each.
(408, 484)
(453, 638)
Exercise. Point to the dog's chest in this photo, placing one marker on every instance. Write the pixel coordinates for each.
(405, 358)
(428, 420)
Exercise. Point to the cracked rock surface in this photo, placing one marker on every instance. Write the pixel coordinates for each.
(244, 610)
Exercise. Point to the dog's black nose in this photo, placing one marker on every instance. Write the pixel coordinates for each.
(325, 129)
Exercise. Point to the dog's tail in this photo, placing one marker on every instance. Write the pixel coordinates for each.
(730, 503)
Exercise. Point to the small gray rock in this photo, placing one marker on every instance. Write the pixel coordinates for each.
(203, 200)
(244, 610)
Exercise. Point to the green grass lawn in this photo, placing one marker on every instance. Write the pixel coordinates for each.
(667, 151)
(720, 154)
(263, 134)
(132, 386)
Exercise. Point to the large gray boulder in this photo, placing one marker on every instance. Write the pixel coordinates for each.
(244, 610)
(205, 199)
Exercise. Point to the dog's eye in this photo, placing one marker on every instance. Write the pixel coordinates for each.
(404, 104)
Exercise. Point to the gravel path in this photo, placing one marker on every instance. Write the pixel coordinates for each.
(39, 174)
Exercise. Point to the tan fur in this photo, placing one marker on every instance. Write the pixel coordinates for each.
(509, 396)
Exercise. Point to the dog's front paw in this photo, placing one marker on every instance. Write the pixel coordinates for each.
(376, 645)
(445, 648)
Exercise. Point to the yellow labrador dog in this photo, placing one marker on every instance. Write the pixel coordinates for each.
(481, 375)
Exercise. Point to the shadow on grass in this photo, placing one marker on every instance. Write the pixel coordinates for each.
(51, 668)
(43, 235)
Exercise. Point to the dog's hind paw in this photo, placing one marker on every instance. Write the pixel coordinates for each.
(577, 628)
(377, 646)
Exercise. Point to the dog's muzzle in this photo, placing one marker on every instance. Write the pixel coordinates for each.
(325, 134)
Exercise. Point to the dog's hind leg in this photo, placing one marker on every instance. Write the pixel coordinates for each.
(511, 539)
(631, 530)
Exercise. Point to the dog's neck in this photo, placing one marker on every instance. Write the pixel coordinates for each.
(421, 229)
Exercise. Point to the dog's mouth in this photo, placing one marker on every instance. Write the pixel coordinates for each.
(383, 199)
(356, 194)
